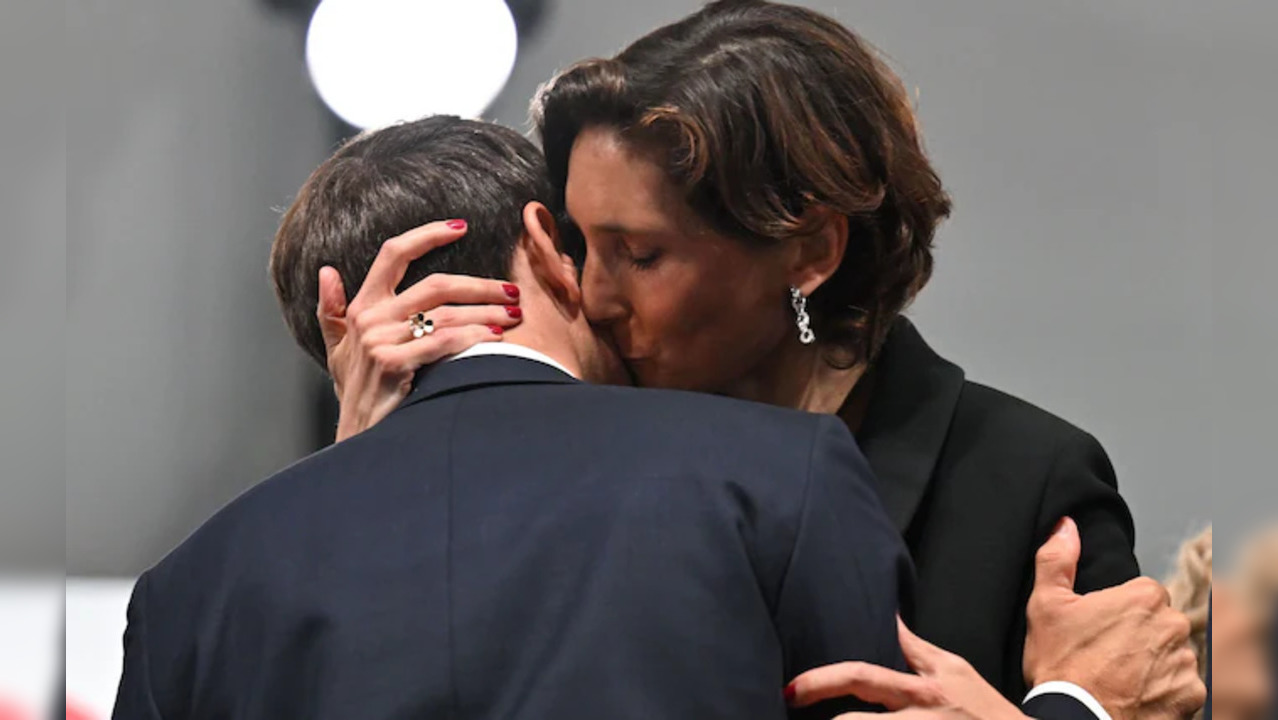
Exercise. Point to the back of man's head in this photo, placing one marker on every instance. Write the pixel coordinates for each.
(384, 183)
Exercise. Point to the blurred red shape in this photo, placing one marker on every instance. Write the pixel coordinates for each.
(10, 710)
(77, 712)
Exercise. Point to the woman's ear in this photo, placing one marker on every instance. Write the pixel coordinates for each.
(821, 251)
(551, 269)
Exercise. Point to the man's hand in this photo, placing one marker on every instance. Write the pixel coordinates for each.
(946, 687)
(1124, 645)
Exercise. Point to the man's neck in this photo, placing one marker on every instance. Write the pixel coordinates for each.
(561, 352)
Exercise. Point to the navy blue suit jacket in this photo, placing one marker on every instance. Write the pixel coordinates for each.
(1055, 706)
(512, 543)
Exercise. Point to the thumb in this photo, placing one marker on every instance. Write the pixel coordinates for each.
(332, 306)
(1056, 564)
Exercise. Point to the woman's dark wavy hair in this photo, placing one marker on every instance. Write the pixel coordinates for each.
(761, 111)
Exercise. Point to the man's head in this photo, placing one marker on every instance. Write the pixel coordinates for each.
(384, 183)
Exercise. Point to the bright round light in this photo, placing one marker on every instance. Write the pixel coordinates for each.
(376, 62)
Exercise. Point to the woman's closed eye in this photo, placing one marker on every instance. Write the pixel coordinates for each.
(646, 260)
(642, 258)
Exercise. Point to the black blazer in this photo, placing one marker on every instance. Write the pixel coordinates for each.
(976, 480)
(512, 543)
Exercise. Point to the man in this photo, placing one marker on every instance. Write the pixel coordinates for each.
(1119, 654)
(513, 542)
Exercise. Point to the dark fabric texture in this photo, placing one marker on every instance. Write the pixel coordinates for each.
(976, 480)
(1055, 706)
(512, 543)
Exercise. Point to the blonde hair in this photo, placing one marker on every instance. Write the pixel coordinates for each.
(1190, 590)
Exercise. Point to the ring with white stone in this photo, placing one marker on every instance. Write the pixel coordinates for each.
(421, 325)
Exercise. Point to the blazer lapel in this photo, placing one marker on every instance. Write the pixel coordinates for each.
(454, 376)
(915, 395)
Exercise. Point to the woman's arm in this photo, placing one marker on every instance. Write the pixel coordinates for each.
(1082, 485)
(373, 352)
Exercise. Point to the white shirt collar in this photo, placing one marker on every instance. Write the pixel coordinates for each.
(1072, 690)
(511, 350)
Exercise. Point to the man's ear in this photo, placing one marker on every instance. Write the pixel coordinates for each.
(552, 269)
(820, 252)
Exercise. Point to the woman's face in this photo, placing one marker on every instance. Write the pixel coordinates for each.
(1240, 675)
(688, 308)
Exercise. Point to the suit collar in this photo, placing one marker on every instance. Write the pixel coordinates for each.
(914, 398)
(464, 374)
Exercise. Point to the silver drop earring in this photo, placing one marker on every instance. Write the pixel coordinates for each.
(801, 317)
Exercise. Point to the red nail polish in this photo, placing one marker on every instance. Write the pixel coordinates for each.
(456, 224)
(789, 693)
(514, 312)
(496, 329)
(512, 291)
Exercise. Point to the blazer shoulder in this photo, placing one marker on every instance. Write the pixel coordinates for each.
(247, 522)
(697, 417)
(1017, 418)
(998, 430)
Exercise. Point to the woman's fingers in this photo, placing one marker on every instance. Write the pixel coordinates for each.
(395, 332)
(870, 683)
(397, 253)
(488, 316)
(432, 294)
(440, 289)
(435, 347)
(909, 714)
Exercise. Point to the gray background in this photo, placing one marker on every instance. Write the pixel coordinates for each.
(1108, 259)
(32, 289)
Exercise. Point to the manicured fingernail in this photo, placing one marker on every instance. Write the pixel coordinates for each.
(514, 312)
(456, 224)
(496, 329)
(512, 291)
(789, 693)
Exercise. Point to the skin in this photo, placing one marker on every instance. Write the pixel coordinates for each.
(689, 308)
(944, 686)
(1240, 673)
(1125, 645)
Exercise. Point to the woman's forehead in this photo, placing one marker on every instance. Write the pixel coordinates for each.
(614, 188)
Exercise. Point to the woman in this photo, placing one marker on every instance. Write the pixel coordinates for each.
(751, 208)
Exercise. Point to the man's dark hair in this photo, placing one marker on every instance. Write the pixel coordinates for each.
(384, 183)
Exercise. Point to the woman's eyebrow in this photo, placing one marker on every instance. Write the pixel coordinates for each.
(615, 228)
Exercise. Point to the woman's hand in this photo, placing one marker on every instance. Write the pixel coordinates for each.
(372, 351)
(945, 688)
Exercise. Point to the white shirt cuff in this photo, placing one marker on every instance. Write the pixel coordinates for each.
(1072, 690)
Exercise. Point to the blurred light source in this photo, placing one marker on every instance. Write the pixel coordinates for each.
(376, 62)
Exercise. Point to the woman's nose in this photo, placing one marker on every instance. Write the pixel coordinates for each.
(599, 296)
